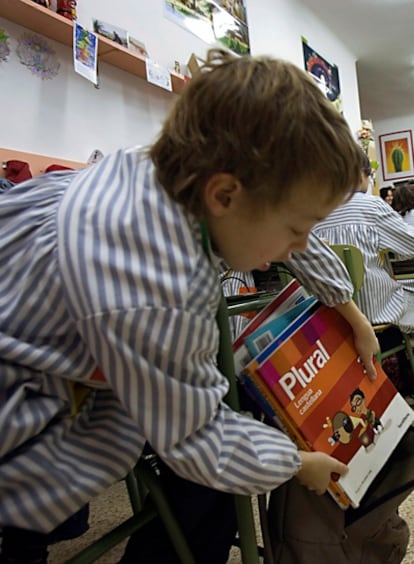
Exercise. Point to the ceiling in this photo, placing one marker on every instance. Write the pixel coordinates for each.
(381, 35)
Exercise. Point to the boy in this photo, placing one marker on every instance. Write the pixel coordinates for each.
(106, 282)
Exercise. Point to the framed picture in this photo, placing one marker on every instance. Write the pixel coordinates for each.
(397, 155)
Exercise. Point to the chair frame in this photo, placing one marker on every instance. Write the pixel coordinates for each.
(354, 262)
(147, 502)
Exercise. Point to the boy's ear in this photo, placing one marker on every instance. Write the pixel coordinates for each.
(222, 191)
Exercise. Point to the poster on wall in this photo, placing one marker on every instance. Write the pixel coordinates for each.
(326, 75)
(397, 155)
(85, 53)
(220, 21)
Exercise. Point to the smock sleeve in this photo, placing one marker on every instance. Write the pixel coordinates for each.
(322, 272)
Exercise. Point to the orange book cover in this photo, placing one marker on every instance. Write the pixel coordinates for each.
(269, 404)
(323, 394)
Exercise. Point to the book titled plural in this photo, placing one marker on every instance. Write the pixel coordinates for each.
(309, 381)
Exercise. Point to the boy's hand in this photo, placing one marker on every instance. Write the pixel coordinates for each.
(318, 470)
(366, 342)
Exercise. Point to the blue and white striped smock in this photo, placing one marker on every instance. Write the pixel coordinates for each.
(318, 268)
(100, 268)
(372, 225)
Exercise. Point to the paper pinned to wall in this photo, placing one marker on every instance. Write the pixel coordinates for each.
(156, 74)
(85, 53)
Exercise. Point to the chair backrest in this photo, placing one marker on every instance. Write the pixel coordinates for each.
(225, 361)
(354, 262)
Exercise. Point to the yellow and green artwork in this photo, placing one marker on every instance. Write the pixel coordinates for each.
(397, 155)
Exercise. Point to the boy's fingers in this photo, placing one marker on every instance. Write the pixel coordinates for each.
(340, 470)
(369, 367)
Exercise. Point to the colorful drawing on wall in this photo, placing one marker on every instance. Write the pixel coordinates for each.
(35, 53)
(85, 53)
(220, 21)
(397, 155)
(325, 75)
(4, 46)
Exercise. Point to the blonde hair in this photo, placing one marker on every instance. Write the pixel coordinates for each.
(261, 119)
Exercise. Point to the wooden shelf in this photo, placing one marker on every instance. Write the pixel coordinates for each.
(46, 22)
(37, 163)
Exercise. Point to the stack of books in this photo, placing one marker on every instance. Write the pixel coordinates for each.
(297, 360)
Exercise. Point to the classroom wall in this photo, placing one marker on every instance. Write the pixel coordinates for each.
(68, 117)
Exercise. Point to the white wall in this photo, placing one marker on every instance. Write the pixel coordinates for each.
(67, 117)
(276, 28)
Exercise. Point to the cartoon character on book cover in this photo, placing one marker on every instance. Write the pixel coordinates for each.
(363, 424)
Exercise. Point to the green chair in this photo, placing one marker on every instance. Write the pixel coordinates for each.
(354, 263)
(147, 500)
(246, 526)
(352, 257)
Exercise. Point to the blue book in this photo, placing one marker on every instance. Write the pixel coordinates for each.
(281, 326)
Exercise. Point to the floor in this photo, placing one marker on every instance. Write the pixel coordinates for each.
(113, 506)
